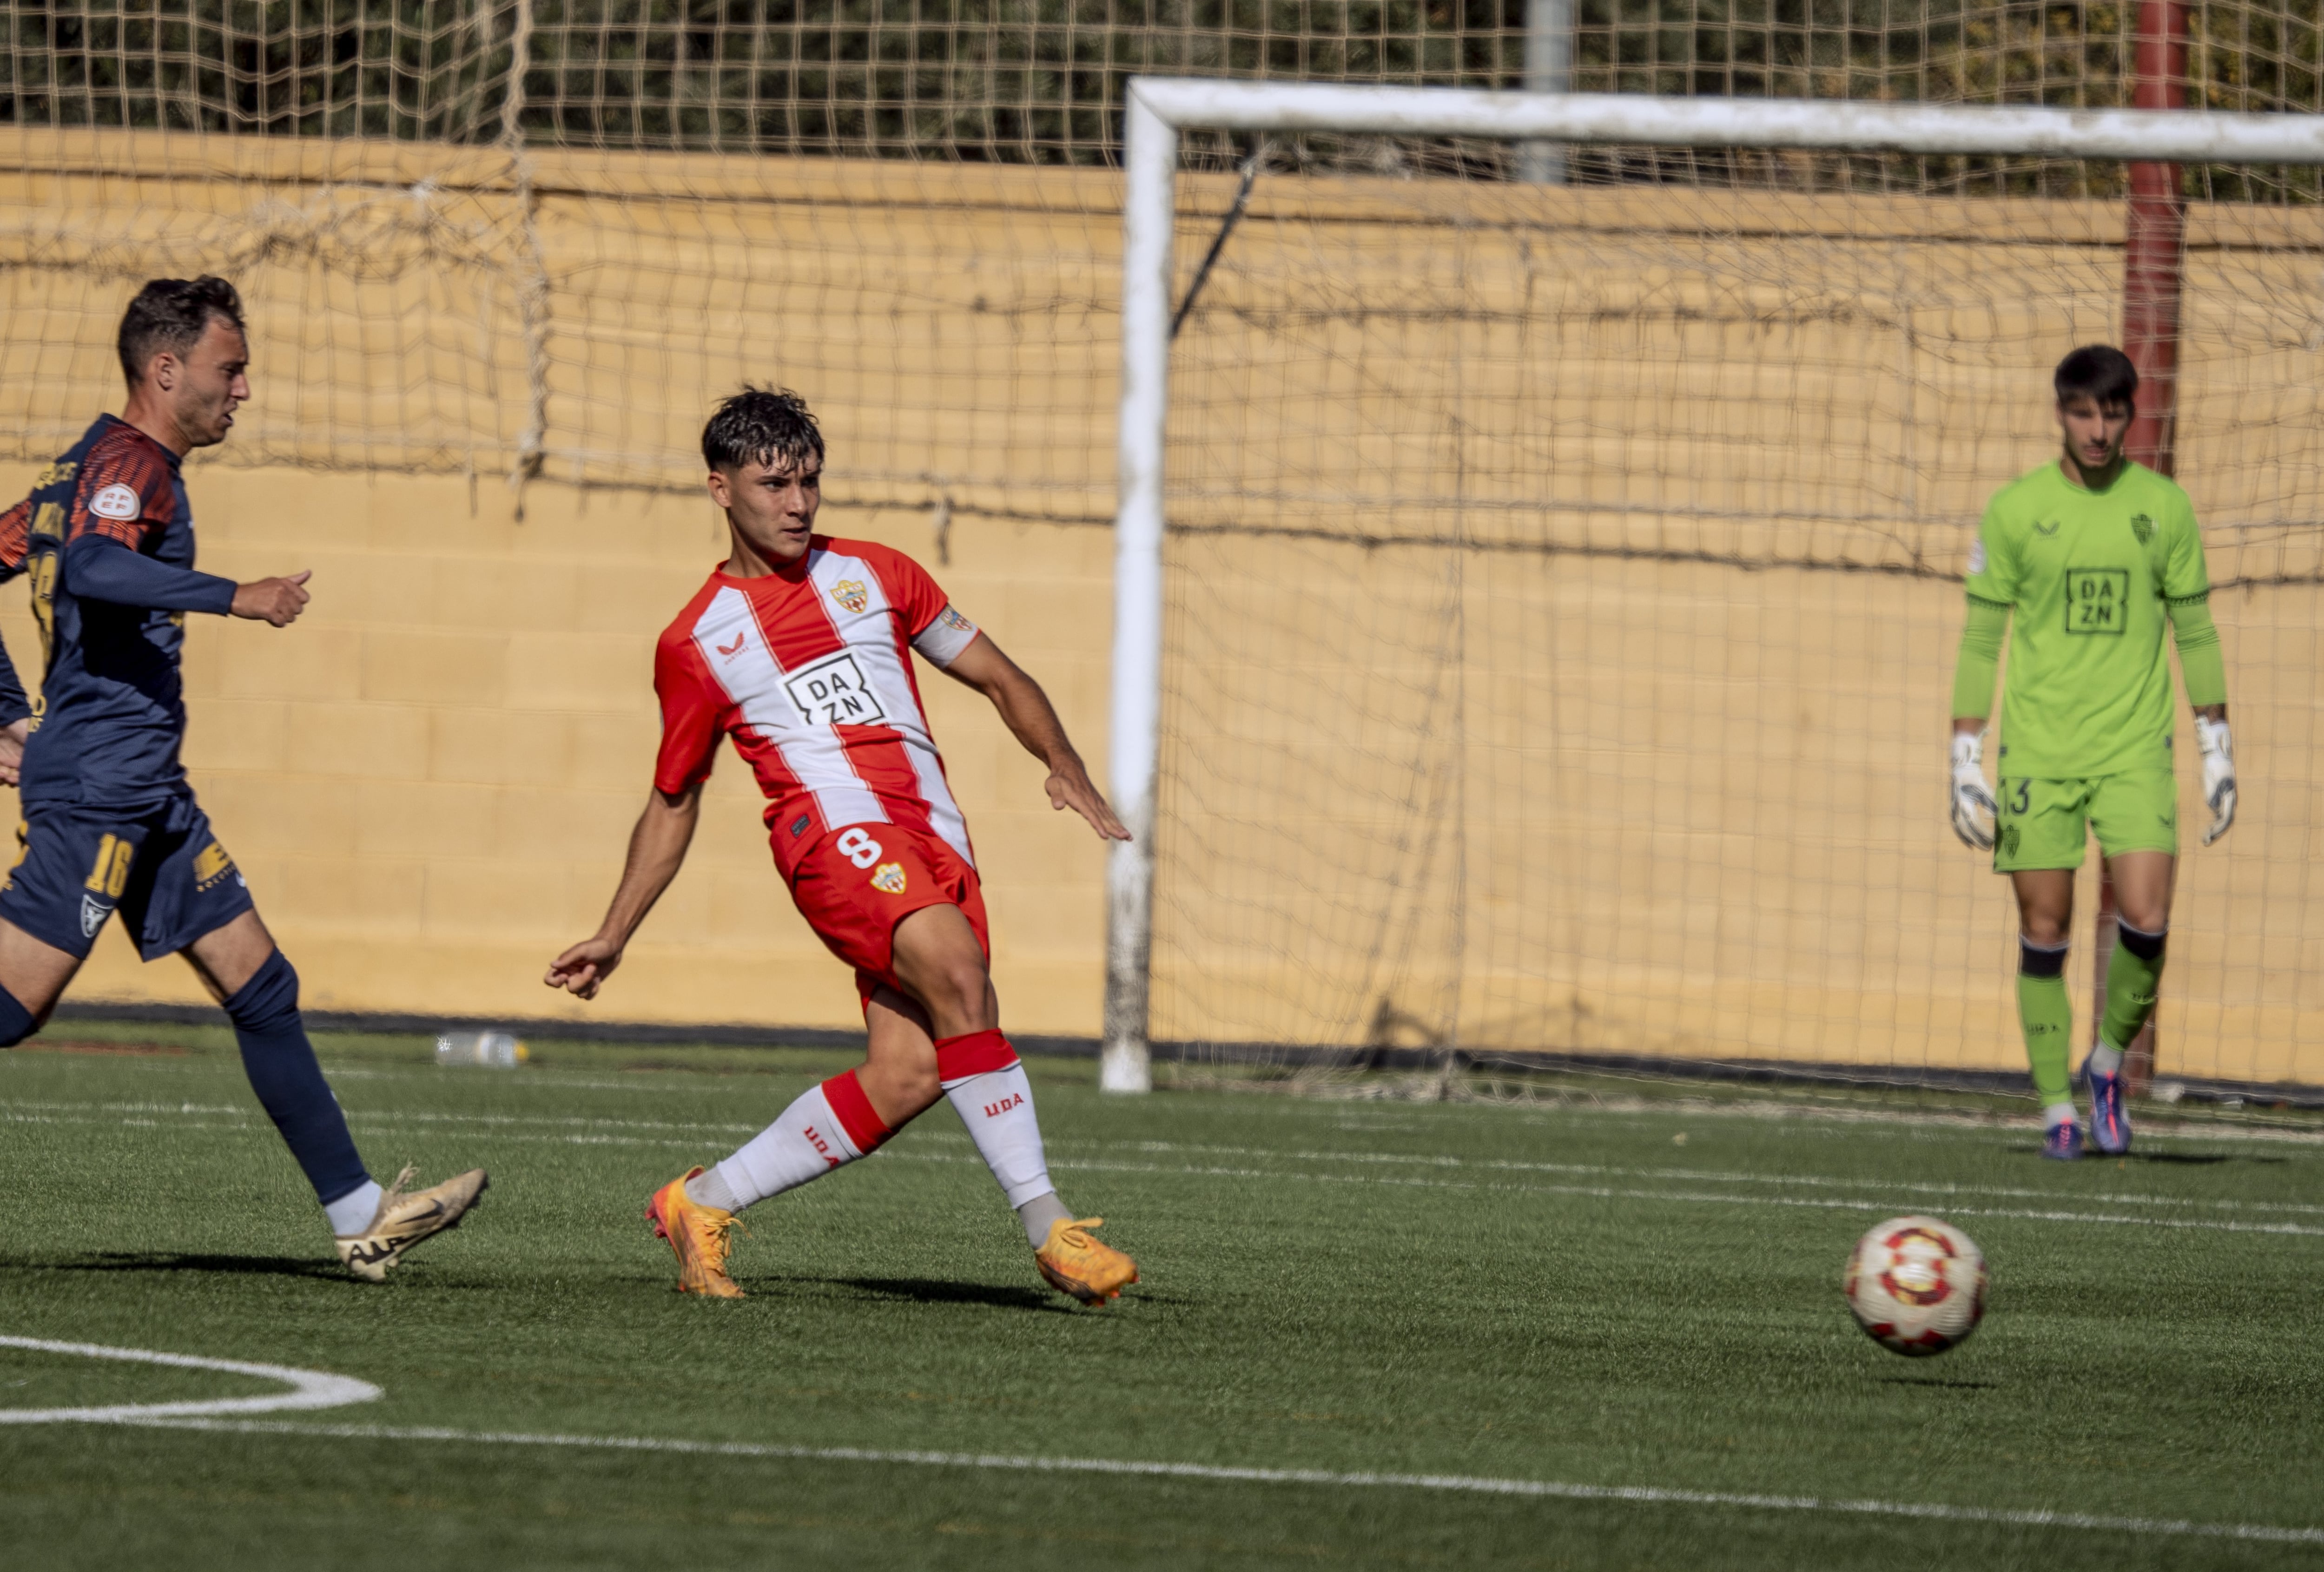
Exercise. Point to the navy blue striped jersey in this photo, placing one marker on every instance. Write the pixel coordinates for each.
(107, 539)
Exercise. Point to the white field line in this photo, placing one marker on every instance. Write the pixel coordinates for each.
(1714, 1176)
(1893, 1192)
(1616, 1193)
(484, 1121)
(1601, 1107)
(315, 1389)
(309, 1389)
(1930, 1121)
(690, 1138)
(1937, 1120)
(1652, 1495)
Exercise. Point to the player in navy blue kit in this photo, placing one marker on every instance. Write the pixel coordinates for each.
(110, 824)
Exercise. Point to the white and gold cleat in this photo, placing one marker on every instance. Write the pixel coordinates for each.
(404, 1221)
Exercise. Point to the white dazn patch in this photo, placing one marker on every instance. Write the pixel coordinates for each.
(833, 692)
(1976, 555)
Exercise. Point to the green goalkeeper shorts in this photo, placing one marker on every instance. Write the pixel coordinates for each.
(2047, 823)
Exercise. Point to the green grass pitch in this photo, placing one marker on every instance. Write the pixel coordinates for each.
(1641, 1294)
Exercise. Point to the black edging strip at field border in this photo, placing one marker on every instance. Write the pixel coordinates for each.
(1762, 1072)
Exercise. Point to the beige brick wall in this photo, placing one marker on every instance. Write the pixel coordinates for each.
(1675, 805)
(431, 777)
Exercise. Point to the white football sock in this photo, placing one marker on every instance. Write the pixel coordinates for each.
(352, 1213)
(2057, 1114)
(805, 1142)
(2105, 1058)
(709, 1188)
(1038, 1213)
(997, 1107)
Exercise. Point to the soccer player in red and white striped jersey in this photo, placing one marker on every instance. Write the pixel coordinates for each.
(799, 648)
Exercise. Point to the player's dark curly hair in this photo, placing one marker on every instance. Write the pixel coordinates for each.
(762, 426)
(171, 314)
(2098, 372)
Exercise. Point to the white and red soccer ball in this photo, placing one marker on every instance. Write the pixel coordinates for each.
(1917, 1286)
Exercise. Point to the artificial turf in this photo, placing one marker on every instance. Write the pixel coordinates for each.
(1634, 1291)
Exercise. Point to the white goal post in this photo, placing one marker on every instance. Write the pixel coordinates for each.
(1160, 109)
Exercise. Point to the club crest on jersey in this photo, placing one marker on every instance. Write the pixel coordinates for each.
(93, 913)
(116, 501)
(2143, 527)
(888, 878)
(852, 595)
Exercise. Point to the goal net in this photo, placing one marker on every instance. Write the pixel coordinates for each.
(1556, 584)
(1561, 591)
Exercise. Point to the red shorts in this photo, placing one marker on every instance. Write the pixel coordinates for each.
(856, 883)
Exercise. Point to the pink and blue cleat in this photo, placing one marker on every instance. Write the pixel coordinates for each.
(2109, 1122)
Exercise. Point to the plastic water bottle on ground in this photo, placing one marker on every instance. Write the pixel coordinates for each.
(492, 1049)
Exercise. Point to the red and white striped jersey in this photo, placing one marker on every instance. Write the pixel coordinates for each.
(806, 669)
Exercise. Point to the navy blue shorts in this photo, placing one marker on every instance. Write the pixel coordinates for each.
(160, 867)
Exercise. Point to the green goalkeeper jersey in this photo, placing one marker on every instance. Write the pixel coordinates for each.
(2091, 578)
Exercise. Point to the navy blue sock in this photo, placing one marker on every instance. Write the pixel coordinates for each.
(281, 1064)
(17, 1022)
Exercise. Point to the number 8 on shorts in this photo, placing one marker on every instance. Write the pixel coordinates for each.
(857, 847)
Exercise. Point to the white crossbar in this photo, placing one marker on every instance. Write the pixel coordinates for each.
(2026, 131)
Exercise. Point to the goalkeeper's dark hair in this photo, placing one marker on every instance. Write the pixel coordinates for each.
(2099, 371)
(770, 426)
(172, 315)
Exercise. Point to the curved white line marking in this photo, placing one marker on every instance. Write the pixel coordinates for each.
(309, 1389)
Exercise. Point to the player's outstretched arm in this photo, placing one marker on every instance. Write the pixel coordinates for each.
(1027, 713)
(657, 851)
(275, 602)
(99, 567)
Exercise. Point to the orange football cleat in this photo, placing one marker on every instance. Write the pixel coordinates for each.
(697, 1237)
(1074, 1262)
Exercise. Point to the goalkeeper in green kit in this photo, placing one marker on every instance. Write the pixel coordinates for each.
(2082, 561)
